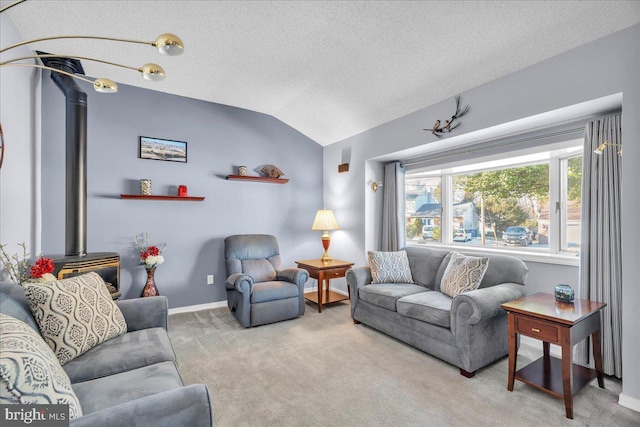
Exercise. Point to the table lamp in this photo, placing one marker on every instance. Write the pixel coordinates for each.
(325, 221)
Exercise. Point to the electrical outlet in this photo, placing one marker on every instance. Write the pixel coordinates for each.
(210, 279)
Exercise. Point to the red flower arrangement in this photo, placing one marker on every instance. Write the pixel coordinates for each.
(149, 254)
(42, 266)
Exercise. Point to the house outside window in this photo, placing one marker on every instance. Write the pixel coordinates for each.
(528, 202)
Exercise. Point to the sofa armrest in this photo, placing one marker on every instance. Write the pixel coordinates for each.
(145, 313)
(358, 276)
(299, 276)
(242, 283)
(485, 303)
(185, 406)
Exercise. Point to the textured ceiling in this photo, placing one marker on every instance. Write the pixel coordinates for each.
(328, 69)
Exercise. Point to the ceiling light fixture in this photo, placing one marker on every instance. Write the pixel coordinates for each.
(167, 44)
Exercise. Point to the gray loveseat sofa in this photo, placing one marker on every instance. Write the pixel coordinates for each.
(468, 331)
(131, 379)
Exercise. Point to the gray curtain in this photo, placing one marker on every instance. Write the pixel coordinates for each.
(393, 207)
(601, 247)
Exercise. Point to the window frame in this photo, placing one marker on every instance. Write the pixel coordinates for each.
(558, 157)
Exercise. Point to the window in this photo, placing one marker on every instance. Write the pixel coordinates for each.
(528, 202)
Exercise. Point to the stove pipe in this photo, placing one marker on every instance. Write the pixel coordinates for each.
(76, 155)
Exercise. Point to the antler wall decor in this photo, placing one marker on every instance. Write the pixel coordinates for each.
(451, 124)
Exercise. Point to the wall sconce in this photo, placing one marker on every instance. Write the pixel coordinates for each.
(344, 167)
(375, 185)
(604, 145)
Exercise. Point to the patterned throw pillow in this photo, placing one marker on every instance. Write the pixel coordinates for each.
(75, 314)
(389, 267)
(29, 371)
(463, 274)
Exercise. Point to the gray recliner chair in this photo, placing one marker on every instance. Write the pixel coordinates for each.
(259, 290)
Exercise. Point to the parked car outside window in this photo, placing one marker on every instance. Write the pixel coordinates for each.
(517, 235)
(427, 232)
(462, 235)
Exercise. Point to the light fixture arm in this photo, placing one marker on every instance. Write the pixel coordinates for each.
(166, 43)
(100, 85)
(11, 5)
(148, 71)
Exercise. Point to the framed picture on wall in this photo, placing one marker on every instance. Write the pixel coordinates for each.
(163, 149)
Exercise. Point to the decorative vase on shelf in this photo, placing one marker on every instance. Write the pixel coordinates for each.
(150, 289)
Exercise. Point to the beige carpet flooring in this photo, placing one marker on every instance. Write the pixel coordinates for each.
(323, 370)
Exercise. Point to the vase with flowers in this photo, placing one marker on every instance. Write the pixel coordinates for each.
(17, 268)
(150, 258)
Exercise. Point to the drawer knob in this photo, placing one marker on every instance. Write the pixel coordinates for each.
(535, 329)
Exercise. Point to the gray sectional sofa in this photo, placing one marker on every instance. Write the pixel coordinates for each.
(131, 379)
(468, 331)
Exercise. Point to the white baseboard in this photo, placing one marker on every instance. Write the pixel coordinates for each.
(629, 402)
(198, 307)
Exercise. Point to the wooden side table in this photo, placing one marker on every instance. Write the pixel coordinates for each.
(566, 324)
(323, 272)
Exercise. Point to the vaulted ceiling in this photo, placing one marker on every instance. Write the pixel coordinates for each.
(328, 69)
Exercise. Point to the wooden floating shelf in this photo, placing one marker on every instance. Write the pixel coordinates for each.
(258, 178)
(141, 197)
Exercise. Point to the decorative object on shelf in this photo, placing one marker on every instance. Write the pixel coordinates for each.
(182, 191)
(163, 149)
(272, 171)
(344, 167)
(150, 258)
(257, 178)
(564, 293)
(167, 44)
(242, 170)
(449, 125)
(375, 185)
(325, 221)
(604, 145)
(145, 187)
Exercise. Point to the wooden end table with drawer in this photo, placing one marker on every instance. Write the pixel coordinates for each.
(565, 324)
(323, 272)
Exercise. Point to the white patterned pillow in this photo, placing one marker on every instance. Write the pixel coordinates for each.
(463, 274)
(389, 267)
(29, 371)
(75, 314)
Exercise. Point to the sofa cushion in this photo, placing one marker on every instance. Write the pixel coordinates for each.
(463, 274)
(124, 353)
(15, 304)
(260, 270)
(430, 307)
(29, 371)
(75, 314)
(270, 291)
(106, 392)
(425, 264)
(385, 295)
(389, 267)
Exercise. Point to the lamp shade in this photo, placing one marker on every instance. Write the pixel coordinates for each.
(325, 221)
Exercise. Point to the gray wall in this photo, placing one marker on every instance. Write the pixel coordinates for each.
(219, 138)
(19, 197)
(604, 67)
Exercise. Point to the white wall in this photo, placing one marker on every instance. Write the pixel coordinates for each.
(19, 197)
(602, 68)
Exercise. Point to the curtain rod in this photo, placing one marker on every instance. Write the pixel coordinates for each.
(424, 159)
